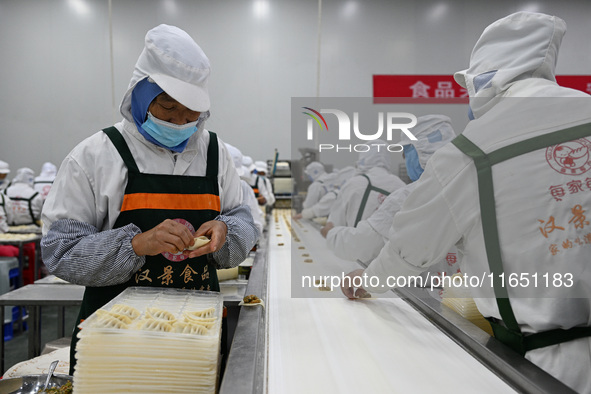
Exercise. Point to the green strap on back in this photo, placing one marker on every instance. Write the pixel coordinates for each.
(368, 190)
(510, 333)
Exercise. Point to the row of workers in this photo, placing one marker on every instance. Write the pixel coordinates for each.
(21, 198)
(510, 193)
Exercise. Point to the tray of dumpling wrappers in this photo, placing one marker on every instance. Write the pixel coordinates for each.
(151, 340)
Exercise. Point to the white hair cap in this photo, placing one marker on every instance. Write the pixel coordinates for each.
(173, 60)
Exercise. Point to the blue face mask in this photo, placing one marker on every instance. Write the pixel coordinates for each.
(166, 133)
(413, 167)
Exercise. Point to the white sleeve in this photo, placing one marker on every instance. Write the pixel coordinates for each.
(421, 235)
(322, 208)
(228, 179)
(270, 196)
(71, 197)
(355, 243)
(344, 211)
(250, 200)
(314, 194)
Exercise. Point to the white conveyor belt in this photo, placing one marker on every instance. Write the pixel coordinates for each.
(324, 343)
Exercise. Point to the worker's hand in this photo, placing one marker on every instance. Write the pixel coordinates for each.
(297, 216)
(354, 277)
(168, 236)
(327, 227)
(216, 231)
(262, 200)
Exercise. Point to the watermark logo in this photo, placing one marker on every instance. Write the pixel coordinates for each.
(388, 123)
(315, 117)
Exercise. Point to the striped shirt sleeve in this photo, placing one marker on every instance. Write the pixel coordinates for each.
(79, 253)
(241, 237)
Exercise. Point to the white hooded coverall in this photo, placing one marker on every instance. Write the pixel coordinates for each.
(43, 182)
(26, 203)
(541, 209)
(79, 243)
(374, 165)
(365, 241)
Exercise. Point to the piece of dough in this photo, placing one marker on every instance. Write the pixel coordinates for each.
(199, 242)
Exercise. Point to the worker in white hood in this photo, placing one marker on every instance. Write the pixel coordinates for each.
(333, 182)
(45, 179)
(365, 241)
(128, 201)
(315, 172)
(362, 194)
(260, 172)
(4, 171)
(257, 184)
(526, 217)
(26, 203)
(248, 197)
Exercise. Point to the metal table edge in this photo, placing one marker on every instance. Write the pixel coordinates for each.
(515, 370)
(245, 370)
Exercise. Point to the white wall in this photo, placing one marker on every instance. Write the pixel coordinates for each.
(57, 87)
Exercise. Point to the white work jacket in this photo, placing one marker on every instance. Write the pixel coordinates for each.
(542, 206)
(349, 201)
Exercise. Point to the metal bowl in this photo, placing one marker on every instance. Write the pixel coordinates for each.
(31, 383)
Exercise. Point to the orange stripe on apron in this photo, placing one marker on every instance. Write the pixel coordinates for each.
(170, 201)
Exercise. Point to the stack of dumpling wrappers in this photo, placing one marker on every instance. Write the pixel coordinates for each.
(151, 340)
(460, 300)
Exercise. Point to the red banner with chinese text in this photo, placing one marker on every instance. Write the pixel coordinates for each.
(443, 89)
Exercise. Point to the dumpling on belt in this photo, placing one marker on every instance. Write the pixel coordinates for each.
(199, 242)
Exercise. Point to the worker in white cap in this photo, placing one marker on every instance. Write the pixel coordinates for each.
(314, 171)
(333, 182)
(257, 184)
(260, 171)
(248, 197)
(510, 193)
(5, 204)
(362, 194)
(4, 171)
(365, 241)
(26, 203)
(128, 201)
(45, 179)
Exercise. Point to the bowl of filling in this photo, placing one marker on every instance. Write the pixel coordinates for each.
(28, 384)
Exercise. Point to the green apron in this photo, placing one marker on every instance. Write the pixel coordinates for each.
(149, 200)
(255, 188)
(370, 188)
(507, 329)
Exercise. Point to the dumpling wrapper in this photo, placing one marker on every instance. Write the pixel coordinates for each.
(199, 242)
